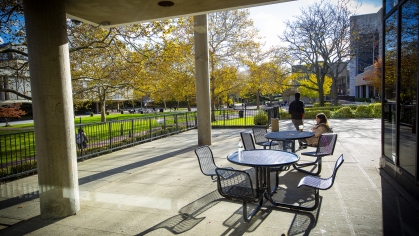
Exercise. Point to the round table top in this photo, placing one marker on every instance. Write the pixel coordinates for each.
(289, 135)
(263, 158)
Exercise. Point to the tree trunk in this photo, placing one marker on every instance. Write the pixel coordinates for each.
(212, 105)
(320, 83)
(103, 111)
(188, 104)
(257, 100)
(335, 93)
(321, 97)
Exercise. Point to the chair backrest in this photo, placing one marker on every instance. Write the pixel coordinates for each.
(259, 134)
(328, 183)
(326, 145)
(206, 160)
(247, 141)
(320, 183)
(235, 184)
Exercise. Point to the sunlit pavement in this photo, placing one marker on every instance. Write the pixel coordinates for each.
(157, 188)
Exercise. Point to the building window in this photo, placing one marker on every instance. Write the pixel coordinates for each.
(390, 4)
(408, 85)
(390, 75)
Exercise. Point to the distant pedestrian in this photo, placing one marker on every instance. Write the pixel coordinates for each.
(296, 109)
(81, 139)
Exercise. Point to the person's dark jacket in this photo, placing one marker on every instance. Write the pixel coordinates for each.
(296, 109)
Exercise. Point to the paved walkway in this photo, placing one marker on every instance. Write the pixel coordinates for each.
(157, 188)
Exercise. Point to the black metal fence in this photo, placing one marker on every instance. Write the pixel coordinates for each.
(17, 154)
(242, 117)
(17, 151)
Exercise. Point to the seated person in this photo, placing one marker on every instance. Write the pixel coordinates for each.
(321, 127)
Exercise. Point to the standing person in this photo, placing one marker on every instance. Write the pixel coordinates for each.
(81, 139)
(296, 109)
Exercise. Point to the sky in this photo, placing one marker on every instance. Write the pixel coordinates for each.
(269, 20)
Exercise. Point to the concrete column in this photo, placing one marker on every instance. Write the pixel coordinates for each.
(202, 80)
(52, 108)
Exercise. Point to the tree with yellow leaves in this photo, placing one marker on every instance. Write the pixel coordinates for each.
(307, 85)
(374, 77)
(230, 35)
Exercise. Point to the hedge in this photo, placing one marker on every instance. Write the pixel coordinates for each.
(372, 110)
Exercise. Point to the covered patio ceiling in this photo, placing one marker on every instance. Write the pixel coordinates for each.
(123, 12)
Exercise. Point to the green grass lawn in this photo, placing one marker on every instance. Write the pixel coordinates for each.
(234, 122)
(123, 125)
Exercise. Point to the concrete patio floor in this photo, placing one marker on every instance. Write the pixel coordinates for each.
(157, 188)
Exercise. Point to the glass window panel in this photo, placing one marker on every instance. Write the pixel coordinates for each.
(390, 4)
(390, 62)
(408, 85)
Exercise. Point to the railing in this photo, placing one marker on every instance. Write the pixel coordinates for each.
(17, 151)
(17, 154)
(241, 117)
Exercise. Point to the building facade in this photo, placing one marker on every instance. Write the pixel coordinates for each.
(365, 43)
(400, 89)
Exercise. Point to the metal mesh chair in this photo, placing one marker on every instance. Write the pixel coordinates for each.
(259, 134)
(237, 184)
(319, 183)
(248, 144)
(326, 146)
(206, 161)
(247, 141)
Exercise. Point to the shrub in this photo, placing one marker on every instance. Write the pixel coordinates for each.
(312, 114)
(261, 118)
(353, 107)
(322, 109)
(284, 115)
(344, 112)
(91, 113)
(107, 113)
(362, 111)
(375, 110)
(122, 112)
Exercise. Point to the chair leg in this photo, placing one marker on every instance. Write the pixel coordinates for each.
(319, 167)
(249, 217)
(308, 163)
(316, 201)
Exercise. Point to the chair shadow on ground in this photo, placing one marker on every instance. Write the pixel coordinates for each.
(288, 192)
(186, 219)
(303, 222)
